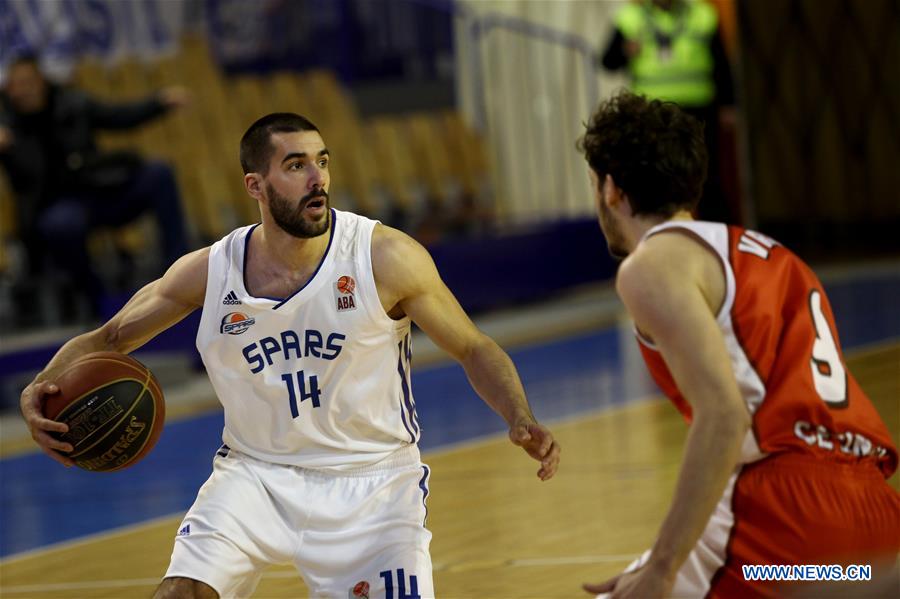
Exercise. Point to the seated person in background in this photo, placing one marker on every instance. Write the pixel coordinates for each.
(65, 187)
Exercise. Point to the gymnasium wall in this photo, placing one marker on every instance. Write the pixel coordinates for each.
(527, 79)
(820, 95)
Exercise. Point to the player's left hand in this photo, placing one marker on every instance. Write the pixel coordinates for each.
(642, 583)
(539, 443)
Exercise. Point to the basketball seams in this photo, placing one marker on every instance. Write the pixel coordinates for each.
(76, 403)
(157, 411)
(133, 371)
(71, 405)
(115, 428)
(131, 363)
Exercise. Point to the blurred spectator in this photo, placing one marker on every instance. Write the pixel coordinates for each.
(673, 51)
(65, 187)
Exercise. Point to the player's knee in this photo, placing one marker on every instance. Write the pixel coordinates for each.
(184, 588)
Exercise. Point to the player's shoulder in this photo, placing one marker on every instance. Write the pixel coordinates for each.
(400, 262)
(665, 250)
(186, 278)
(644, 267)
(198, 257)
(664, 261)
(391, 245)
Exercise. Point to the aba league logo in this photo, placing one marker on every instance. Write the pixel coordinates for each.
(343, 293)
(360, 590)
(235, 323)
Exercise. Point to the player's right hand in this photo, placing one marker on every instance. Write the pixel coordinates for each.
(31, 404)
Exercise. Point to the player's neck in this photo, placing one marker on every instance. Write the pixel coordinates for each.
(283, 250)
(639, 226)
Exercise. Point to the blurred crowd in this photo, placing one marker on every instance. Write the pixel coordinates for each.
(66, 187)
(80, 198)
(92, 218)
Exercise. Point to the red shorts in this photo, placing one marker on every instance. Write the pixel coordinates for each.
(799, 509)
(792, 509)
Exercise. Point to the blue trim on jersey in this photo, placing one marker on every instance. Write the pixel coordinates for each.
(321, 262)
(407, 386)
(244, 267)
(405, 401)
(283, 300)
(412, 400)
(423, 484)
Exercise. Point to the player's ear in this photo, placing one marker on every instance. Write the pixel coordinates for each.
(253, 185)
(611, 192)
(614, 196)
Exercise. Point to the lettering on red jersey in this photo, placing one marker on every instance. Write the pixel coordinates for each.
(757, 244)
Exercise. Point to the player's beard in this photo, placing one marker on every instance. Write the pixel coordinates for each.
(289, 216)
(615, 241)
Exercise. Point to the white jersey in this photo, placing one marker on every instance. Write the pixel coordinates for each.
(319, 379)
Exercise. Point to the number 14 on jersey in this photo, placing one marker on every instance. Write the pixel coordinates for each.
(306, 388)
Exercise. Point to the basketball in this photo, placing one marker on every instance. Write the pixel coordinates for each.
(346, 284)
(114, 408)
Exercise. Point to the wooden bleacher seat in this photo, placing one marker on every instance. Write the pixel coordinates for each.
(8, 227)
(432, 155)
(396, 174)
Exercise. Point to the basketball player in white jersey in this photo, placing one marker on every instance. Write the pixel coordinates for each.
(786, 458)
(305, 334)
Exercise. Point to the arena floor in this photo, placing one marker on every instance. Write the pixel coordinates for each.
(498, 531)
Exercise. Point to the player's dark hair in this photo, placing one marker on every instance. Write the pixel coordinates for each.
(653, 150)
(256, 147)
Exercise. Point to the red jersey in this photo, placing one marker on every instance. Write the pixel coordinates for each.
(779, 330)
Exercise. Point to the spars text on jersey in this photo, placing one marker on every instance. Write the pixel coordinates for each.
(292, 345)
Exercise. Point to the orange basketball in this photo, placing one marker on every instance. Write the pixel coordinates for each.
(114, 408)
(346, 284)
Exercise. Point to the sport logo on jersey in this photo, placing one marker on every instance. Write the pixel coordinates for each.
(231, 299)
(235, 323)
(343, 293)
(360, 590)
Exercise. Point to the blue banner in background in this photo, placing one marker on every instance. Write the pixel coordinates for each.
(62, 32)
(358, 39)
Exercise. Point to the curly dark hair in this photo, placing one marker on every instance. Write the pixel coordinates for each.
(654, 151)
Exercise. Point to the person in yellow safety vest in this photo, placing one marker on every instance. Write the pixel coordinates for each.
(673, 51)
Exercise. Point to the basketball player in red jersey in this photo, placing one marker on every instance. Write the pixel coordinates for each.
(786, 458)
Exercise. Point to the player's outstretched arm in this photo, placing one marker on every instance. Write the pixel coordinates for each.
(153, 309)
(666, 293)
(408, 283)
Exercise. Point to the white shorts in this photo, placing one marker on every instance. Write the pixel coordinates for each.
(695, 576)
(350, 534)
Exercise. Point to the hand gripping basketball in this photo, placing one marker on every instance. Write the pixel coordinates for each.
(113, 410)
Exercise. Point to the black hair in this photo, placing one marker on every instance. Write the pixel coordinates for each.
(653, 150)
(256, 148)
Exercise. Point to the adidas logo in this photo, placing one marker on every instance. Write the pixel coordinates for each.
(231, 299)
(185, 531)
